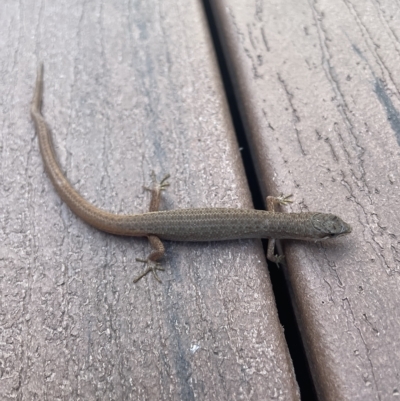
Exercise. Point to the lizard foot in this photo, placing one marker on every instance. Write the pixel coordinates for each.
(160, 186)
(284, 199)
(278, 259)
(152, 267)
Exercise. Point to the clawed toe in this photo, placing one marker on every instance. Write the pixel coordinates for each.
(160, 186)
(284, 199)
(152, 267)
(163, 183)
(278, 259)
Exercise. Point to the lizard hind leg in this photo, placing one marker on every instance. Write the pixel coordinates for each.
(156, 189)
(153, 258)
(155, 242)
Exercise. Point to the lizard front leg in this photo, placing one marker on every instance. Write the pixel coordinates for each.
(272, 201)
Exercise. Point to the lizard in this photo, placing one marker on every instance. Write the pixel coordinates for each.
(193, 224)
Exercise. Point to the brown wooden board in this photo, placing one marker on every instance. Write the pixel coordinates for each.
(318, 85)
(129, 87)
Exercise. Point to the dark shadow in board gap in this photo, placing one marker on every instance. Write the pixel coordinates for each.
(281, 291)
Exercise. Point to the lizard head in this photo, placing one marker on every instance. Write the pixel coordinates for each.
(329, 226)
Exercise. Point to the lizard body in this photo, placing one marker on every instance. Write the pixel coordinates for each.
(203, 224)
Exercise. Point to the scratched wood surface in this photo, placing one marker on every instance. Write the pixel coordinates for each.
(130, 87)
(319, 88)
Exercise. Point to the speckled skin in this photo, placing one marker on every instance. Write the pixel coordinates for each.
(216, 224)
(206, 224)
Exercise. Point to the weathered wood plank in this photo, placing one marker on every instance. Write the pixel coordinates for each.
(318, 84)
(130, 87)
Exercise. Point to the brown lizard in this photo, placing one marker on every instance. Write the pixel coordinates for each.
(203, 224)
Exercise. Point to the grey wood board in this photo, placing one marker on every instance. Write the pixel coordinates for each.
(318, 86)
(129, 87)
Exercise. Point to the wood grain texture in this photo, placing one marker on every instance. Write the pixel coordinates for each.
(318, 84)
(130, 87)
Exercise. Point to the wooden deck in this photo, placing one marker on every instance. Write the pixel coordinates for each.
(134, 87)
(318, 84)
